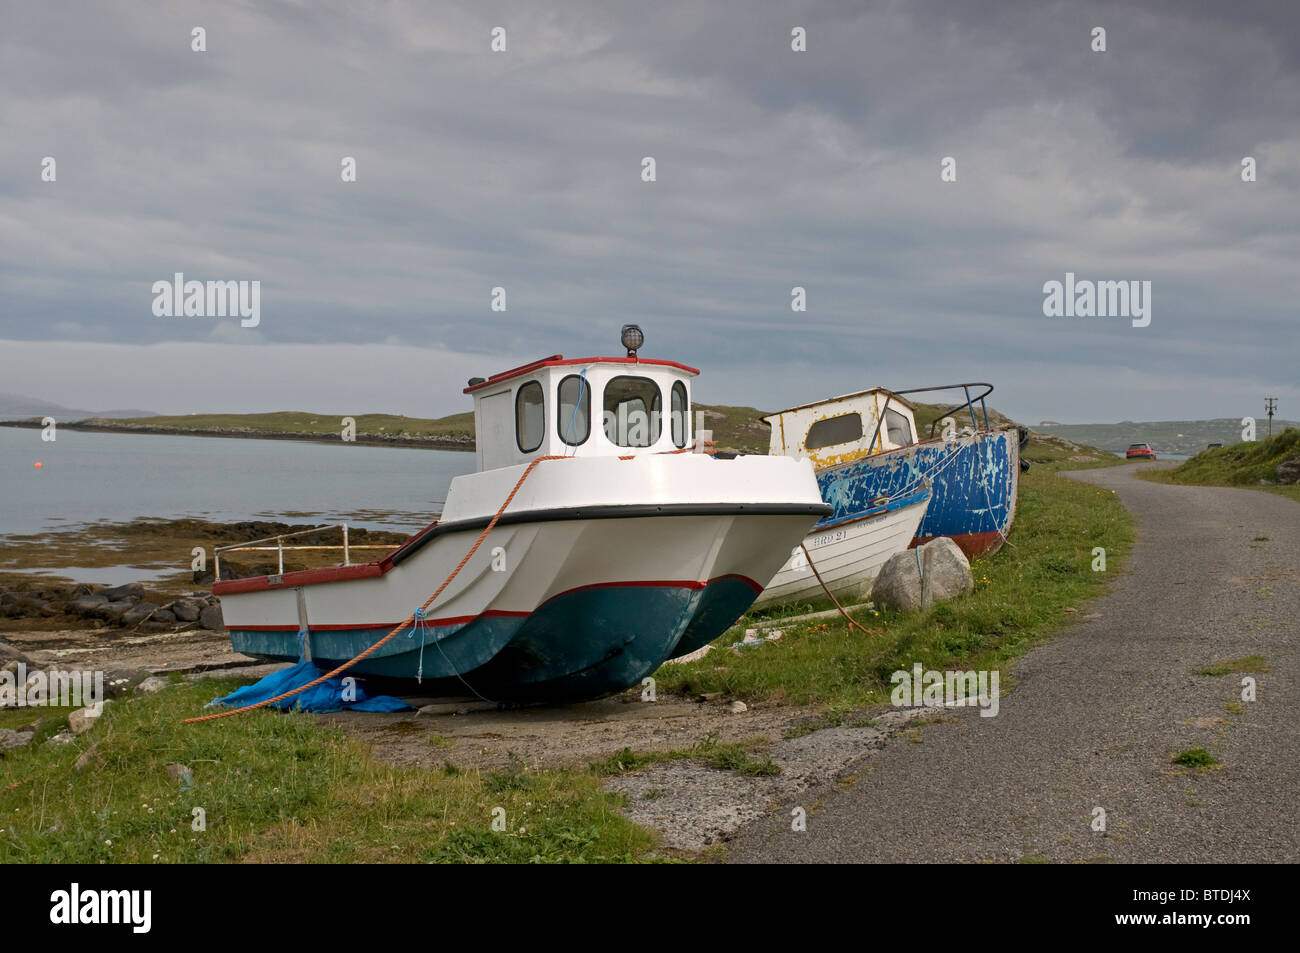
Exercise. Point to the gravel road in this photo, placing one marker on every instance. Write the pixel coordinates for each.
(1097, 716)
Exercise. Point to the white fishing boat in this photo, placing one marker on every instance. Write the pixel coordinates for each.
(622, 544)
(844, 556)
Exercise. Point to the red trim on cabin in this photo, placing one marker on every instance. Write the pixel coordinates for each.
(457, 620)
(558, 360)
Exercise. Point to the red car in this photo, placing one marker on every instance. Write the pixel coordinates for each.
(1140, 451)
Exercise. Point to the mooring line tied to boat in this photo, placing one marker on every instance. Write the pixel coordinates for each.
(401, 626)
(844, 612)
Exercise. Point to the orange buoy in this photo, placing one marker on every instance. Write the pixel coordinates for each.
(37, 464)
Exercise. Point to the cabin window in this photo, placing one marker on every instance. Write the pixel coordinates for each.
(678, 416)
(633, 408)
(900, 431)
(846, 428)
(530, 416)
(574, 417)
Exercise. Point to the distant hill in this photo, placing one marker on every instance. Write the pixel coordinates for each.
(1188, 437)
(734, 428)
(19, 407)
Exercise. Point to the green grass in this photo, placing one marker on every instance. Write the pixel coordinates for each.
(1242, 464)
(1020, 598)
(1247, 664)
(1195, 758)
(283, 788)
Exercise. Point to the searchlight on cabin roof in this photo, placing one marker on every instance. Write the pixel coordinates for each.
(633, 338)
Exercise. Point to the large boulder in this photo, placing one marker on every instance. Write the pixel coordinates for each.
(898, 584)
(132, 591)
(140, 612)
(186, 610)
(210, 618)
(1288, 471)
(918, 578)
(88, 605)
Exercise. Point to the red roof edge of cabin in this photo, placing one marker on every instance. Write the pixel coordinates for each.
(558, 360)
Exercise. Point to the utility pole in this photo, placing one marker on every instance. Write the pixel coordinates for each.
(1270, 405)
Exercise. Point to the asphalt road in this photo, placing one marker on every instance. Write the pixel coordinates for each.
(1098, 714)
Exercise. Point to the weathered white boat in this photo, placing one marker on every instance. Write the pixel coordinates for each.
(867, 451)
(847, 552)
(626, 549)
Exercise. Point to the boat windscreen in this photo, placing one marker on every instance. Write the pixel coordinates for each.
(846, 428)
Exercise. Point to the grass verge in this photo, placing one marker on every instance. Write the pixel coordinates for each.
(1023, 594)
(1250, 465)
(279, 787)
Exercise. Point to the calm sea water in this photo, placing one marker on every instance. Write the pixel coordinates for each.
(86, 477)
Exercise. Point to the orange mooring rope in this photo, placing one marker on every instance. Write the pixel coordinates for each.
(401, 625)
(844, 612)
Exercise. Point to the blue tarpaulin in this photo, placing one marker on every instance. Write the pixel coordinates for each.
(325, 697)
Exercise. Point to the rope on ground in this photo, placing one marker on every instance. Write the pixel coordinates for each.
(409, 620)
(852, 621)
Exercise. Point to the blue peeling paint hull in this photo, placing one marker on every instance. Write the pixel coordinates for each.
(974, 478)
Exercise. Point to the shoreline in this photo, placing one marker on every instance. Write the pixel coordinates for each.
(366, 439)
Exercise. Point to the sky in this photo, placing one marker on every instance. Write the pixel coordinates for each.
(522, 169)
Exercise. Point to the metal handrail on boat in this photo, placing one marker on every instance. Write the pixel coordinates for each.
(279, 547)
(969, 405)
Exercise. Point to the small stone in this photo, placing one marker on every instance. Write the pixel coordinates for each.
(210, 618)
(86, 757)
(738, 706)
(151, 684)
(165, 616)
(62, 738)
(14, 739)
(82, 720)
(180, 773)
(1288, 471)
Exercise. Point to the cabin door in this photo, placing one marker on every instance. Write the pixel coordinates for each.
(496, 436)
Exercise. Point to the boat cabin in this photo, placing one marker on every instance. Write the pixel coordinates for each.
(591, 406)
(841, 429)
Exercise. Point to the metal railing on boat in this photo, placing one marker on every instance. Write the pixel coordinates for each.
(280, 548)
(969, 404)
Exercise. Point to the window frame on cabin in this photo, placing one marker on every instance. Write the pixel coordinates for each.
(807, 439)
(678, 420)
(903, 423)
(562, 417)
(519, 420)
(654, 412)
